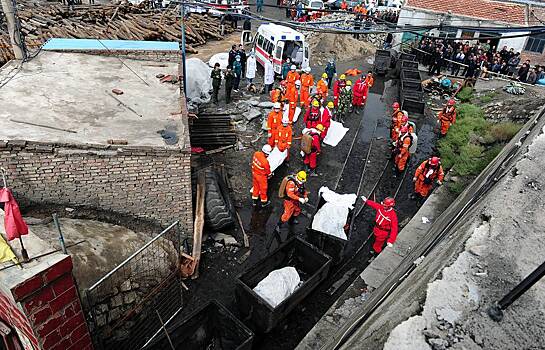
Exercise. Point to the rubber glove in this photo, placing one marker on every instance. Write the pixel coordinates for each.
(389, 245)
(302, 200)
(414, 179)
(364, 198)
(439, 182)
(302, 154)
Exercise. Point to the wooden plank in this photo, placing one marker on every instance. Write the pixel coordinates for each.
(199, 223)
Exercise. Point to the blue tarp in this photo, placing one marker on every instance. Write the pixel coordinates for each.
(57, 44)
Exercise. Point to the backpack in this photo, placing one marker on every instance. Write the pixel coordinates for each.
(282, 188)
(306, 143)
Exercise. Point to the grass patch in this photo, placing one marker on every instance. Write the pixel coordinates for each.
(457, 187)
(465, 95)
(487, 98)
(472, 143)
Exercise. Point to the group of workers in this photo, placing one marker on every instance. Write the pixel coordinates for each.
(299, 91)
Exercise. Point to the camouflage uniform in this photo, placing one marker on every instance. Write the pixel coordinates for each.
(345, 104)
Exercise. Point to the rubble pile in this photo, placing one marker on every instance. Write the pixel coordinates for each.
(342, 47)
(121, 22)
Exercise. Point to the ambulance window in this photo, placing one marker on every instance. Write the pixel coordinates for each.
(260, 40)
(306, 52)
(279, 51)
(269, 47)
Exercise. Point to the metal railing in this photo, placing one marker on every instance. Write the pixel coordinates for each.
(125, 306)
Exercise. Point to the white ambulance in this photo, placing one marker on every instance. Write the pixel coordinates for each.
(280, 42)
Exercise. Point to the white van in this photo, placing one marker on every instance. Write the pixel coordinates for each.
(279, 42)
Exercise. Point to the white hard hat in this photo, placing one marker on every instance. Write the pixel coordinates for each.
(308, 69)
(405, 113)
(267, 149)
(293, 67)
(277, 105)
(285, 119)
(298, 82)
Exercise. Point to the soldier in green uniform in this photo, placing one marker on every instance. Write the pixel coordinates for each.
(216, 82)
(345, 101)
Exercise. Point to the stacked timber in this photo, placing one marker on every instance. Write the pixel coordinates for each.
(121, 22)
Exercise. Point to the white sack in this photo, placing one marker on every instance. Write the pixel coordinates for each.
(276, 158)
(286, 112)
(199, 82)
(222, 58)
(331, 217)
(335, 133)
(278, 285)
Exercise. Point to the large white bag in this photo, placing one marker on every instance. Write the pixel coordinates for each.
(278, 285)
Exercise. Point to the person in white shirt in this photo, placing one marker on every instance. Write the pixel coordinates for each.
(268, 79)
(251, 67)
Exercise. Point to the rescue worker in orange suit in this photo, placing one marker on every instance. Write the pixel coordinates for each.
(292, 96)
(447, 116)
(396, 121)
(325, 120)
(321, 87)
(307, 82)
(311, 159)
(359, 94)
(261, 171)
(344, 5)
(273, 121)
(369, 79)
(277, 94)
(337, 88)
(429, 171)
(386, 227)
(313, 115)
(401, 150)
(284, 137)
(295, 195)
(292, 77)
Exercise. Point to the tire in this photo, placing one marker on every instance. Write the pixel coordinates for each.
(218, 209)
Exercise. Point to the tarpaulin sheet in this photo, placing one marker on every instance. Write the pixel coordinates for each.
(278, 285)
(335, 133)
(276, 158)
(332, 216)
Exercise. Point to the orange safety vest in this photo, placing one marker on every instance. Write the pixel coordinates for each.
(292, 77)
(273, 120)
(322, 88)
(283, 141)
(260, 164)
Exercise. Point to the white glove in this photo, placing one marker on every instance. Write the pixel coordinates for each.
(302, 200)
(414, 179)
(389, 245)
(302, 154)
(364, 198)
(269, 135)
(439, 182)
(306, 199)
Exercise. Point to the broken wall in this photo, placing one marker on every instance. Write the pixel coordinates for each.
(149, 183)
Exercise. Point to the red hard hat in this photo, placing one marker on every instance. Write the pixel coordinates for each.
(404, 118)
(389, 202)
(395, 105)
(404, 129)
(451, 102)
(434, 161)
(283, 83)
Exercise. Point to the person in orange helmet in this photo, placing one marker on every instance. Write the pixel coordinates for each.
(295, 195)
(401, 150)
(277, 94)
(307, 81)
(386, 226)
(396, 121)
(292, 96)
(429, 171)
(284, 137)
(273, 121)
(447, 116)
(321, 87)
(261, 171)
(292, 76)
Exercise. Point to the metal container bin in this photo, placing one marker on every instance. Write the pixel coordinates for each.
(311, 264)
(210, 327)
(382, 61)
(408, 74)
(409, 65)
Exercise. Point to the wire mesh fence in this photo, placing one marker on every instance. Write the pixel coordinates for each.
(123, 307)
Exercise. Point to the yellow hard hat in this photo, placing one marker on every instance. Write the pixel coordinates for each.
(330, 104)
(342, 77)
(302, 176)
(320, 127)
(349, 83)
(324, 75)
(315, 103)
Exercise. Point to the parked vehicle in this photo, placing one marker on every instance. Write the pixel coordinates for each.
(279, 42)
(336, 4)
(217, 8)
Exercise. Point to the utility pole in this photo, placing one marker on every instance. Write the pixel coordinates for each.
(8, 6)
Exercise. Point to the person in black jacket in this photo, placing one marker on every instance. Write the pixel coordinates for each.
(229, 84)
(216, 82)
(232, 55)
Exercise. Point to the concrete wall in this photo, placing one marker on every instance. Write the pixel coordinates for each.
(150, 183)
(45, 309)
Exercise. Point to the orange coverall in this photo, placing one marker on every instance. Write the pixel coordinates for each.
(260, 173)
(447, 117)
(283, 139)
(425, 176)
(291, 78)
(273, 121)
(292, 96)
(307, 81)
(292, 206)
(369, 80)
(322, 88)
(403, 151)
(277, 95)
(396, 124)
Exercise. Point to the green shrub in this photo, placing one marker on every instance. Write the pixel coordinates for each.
(465, 95)
(502, 132)
(457, 187)
(488, 97)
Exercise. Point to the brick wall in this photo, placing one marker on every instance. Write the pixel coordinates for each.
(150, 183)
(534, 58)
(48, 310)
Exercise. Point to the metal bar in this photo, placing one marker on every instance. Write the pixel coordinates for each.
(42, 126)
(159, 330)
(164, 328)
(367, 159)
(133, 255)
(61, 237)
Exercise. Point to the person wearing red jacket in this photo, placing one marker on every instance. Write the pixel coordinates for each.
(386, 228)
(429, 171)
(337, 88)
(311, 159)
(284, 137)
(261, 171)
(325, 119)
(313, 115)
(397, 115)
(359, 94)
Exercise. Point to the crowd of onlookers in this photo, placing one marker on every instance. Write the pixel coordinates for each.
(479, 59)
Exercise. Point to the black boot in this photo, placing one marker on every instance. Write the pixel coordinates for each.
(278, 226)
(254, 202)
(265, 204)
(294, 220)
